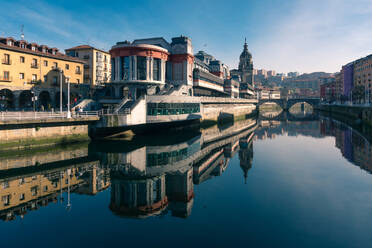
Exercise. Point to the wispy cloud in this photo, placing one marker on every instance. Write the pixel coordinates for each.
(318, 36)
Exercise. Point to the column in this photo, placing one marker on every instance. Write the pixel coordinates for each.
(135, 68)
(117, 66)
(130, 75)
(162, 70)
(148, 69)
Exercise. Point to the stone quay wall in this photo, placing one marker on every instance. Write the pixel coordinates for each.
(18, 134)
(355, 113)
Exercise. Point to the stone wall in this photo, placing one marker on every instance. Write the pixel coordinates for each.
(356, 113)
(37, 136)
(220, 112)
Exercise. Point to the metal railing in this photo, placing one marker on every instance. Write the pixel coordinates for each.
(8, 116)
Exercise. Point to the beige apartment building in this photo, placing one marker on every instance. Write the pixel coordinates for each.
(98, 64)
(363, 75)
(30, 71)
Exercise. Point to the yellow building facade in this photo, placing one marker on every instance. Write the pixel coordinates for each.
(97, 68)
(29, 69)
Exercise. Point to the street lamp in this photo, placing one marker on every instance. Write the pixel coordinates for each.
(61, 95)
(60, 90)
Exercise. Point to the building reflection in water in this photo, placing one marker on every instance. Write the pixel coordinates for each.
(154, 175)
(148, 176)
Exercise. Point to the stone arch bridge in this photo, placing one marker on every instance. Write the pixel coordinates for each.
(286, 104)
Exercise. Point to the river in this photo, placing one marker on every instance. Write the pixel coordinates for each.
(267, 182)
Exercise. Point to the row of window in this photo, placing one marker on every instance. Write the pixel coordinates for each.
(124, 71)
(34, 64)
(172, 108)
(164, 158)
(6, 77)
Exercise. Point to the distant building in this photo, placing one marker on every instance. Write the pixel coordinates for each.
(347, 73)
(293, 74)
(363, 75)
(97, 69)
(271, 73)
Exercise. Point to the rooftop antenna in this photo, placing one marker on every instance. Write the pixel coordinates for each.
(22, 34)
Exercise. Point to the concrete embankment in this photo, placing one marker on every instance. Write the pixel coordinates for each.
(222, 110)
(355, 114)
(23, 134)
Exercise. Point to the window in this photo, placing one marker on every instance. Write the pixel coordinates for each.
(156, 70)
(33, 48)
(45, 78)
(45, 63)
(67, 67)
(141, 68)
(22, 197)
(34, 177)
(55, 65)
(6, 75)
(6, 200)
(78, 81)
(22, 45)
(22, 59)
(21, 181)
(55, 79)
(9, 43)
(45, 189)
(178, 71)
(34, 77)
(5, 185)
(6, 59)
(77, 69)
(21, 76)
(125, 71)
(34, 190)
(34, 63)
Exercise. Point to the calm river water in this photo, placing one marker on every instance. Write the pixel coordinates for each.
(254, 183)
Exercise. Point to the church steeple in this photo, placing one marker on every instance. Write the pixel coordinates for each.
(245, 62)
(245, 45)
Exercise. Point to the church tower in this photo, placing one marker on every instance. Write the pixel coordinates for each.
(246, 66)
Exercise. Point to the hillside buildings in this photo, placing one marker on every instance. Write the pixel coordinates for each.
(29, 71)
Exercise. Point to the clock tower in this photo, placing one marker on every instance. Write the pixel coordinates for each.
(246, 66)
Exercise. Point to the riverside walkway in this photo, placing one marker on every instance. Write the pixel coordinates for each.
(30, 117)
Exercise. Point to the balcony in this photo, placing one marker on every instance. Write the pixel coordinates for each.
(6, 62)
(6, 79)
(35, 66)
(35, 82)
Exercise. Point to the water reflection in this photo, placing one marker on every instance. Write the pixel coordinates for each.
(147, 175)
(155, 175)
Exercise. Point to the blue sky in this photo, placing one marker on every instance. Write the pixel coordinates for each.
(292, 35)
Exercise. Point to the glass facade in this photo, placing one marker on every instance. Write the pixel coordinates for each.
(113, 68)
(141, 68)
(172, 108)
(124, 72)
(156, 70)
